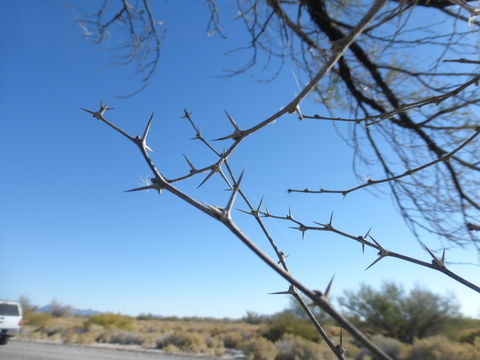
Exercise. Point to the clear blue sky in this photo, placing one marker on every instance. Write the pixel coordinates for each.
(68, 232)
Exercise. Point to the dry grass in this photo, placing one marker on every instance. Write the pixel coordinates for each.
(209, 338)
(214, 338)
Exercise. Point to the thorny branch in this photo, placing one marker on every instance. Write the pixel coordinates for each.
(238, 135)
(367, 240)
(223, 214)
(409, 172)
(365, 103)
(255, 212)
(379, 78)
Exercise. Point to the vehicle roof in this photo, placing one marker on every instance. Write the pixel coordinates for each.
(9, 302)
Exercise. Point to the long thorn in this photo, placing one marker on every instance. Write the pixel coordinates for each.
(207, 177)
(147, 129)
(235, 125)
(430, 252)
(89, 111)
(236, 187)
(260, 204)
(223, 138)
(376, 243)
(288, 292)
(329, 286)
(373, 263)
(189, 163)
(147, 187)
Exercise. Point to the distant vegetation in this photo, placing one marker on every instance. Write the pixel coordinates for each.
(417, 325)
(110, 321)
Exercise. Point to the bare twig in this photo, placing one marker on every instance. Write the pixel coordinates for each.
(142, 46)
(409, 172)
(401, 109)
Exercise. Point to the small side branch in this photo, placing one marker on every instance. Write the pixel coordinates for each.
(410, 172)
(368, 241)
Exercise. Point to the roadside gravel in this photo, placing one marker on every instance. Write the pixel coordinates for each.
(25, 350)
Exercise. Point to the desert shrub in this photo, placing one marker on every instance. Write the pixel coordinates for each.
(186, 342)
(392, 347)
(286, 323)
(86, 338)
(259, 348)
(51, 331)
(110, 321)
(459, 327)
(171, 349)
(254, 318)
(215, 345)
(147, 317)
(232, 339)
(213, 341)
(440, 348)
(70, 338)
(125, 338)
(103, 337)
(469, 336)
(55, 337)
(293, 347)
(36, 319)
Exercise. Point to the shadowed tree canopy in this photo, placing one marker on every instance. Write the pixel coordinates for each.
(404, 95)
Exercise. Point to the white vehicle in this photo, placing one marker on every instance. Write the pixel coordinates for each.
(11, 318)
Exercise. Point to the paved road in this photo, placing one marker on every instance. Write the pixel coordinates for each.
(20, 350)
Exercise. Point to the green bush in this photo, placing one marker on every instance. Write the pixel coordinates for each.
(110, 321)
(392, 312)
(147, 317)
(287, 323)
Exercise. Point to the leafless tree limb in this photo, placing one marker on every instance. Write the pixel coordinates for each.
(142, 46)
(224, 216)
